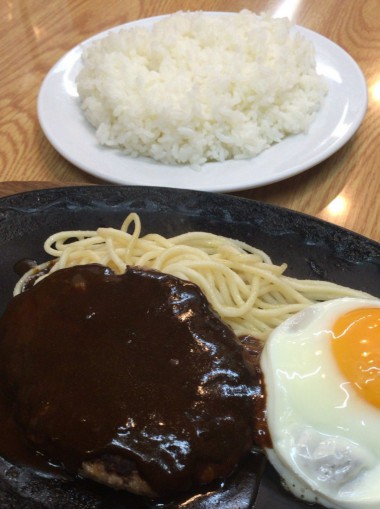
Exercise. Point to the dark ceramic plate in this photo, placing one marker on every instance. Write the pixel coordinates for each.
(312, 248)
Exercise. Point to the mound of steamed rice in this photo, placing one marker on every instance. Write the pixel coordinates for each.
(200, 87)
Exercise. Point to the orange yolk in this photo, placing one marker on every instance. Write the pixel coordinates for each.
(356, 348)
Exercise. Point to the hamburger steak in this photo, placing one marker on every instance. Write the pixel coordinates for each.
(131, 380)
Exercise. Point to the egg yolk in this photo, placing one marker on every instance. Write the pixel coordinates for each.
(356, 348)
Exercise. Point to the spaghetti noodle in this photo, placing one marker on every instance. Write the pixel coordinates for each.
(241, 283)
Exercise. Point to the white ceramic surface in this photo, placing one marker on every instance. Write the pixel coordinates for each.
(74, 138)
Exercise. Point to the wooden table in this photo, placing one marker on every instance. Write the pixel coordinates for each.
(344, 189)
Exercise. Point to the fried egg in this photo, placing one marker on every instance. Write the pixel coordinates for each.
(322, 378)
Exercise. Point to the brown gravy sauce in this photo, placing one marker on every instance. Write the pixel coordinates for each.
(135, 366)
(22, 266)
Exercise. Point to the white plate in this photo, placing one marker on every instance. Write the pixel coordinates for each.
(72, 136)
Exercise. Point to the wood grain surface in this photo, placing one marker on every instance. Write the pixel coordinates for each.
(344, 189)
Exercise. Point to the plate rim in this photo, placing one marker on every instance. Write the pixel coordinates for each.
(60, 194)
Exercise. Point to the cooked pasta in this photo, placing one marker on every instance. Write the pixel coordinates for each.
(241, 283)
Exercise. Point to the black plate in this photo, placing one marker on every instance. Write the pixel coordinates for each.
(312, 248)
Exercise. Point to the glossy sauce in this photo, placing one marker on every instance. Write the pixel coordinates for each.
(253, 348)
(24, 265)
(136, 367)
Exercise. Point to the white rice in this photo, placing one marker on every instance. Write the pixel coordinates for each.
(200, 87)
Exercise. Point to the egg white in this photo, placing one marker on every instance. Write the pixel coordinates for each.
(326, 438)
